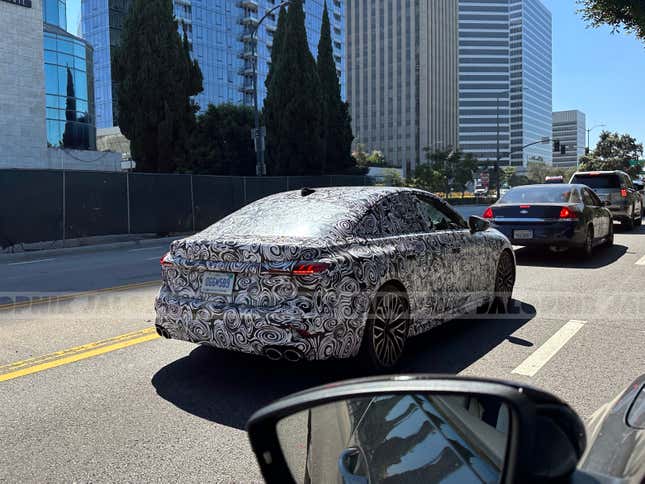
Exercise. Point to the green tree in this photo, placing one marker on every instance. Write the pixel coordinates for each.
(618, 14)
(155, 79)
(454, 167)
(613, 152)
(337, 131)
(360, 156)
(278, 40)
(293, 106)
(376, 158)
(426, 177)
(221, 143)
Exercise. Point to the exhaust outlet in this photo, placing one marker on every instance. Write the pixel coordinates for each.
(292, 355)
(273, 354)
(161, 331)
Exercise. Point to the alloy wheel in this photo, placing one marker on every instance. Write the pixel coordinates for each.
(505, 278)
(389, 328)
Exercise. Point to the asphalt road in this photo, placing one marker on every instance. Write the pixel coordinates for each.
(94, 405)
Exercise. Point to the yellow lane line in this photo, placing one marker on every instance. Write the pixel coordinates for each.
(67, 297)
(71, 355)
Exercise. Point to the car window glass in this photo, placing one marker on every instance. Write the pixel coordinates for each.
(597, 181)
(394, 215)
(575, 197)
(594, 197)
(538, 194)
(435, 216)
(587, 198)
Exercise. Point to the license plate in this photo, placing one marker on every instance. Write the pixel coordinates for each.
(522, 234)
(220, 283)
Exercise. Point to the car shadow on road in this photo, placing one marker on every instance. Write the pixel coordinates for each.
(227, 387)
(542, 257)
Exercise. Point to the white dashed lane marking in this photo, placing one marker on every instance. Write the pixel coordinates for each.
(548, 350)
(641, 261)
(29, 262)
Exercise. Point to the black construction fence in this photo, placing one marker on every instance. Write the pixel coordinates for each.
(48, 205)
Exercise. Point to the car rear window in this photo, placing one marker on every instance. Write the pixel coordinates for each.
(598, 181)
(541, 194)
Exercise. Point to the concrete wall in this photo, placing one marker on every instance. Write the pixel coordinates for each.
(22, 85)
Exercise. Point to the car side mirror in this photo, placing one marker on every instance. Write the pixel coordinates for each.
(477, 224)
(365, 430)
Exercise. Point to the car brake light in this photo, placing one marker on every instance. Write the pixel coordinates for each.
(309, 268)
(568, 214)
(488, 213)
(525, 206)
(165, 260)
(623, 192)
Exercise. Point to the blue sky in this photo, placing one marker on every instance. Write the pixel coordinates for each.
(601, 74)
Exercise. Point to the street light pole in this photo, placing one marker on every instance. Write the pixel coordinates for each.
(259, 133)
(589, 133)
(498, 158)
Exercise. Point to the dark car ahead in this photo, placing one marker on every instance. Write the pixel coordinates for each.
(555, 216)
(615, 187)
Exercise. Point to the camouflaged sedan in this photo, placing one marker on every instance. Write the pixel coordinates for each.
(328, 273)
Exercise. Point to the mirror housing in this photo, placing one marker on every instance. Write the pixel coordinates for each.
(539, 423)
(477, 224)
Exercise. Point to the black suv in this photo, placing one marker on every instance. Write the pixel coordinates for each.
(615, 188)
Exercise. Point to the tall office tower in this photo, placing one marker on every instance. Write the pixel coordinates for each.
(569, 129)
(220, 34)
(402, 65)
(505, 85)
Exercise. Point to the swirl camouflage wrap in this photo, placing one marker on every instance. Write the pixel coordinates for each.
(296, 273)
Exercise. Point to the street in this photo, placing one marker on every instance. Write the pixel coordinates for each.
(90, 393)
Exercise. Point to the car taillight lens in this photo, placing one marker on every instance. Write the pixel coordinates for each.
(623, 192)
(567, 213)
(309, 268)
(488, 213)
(165, 260)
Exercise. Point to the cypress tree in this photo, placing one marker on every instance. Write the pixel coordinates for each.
(278, 42)
(69, 140)
(293, 107)
(155, 79)
(337, 126)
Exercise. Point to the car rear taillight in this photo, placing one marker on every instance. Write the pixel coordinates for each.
(623, 192)
(166, 261)
(567, 214)
(309, 268)
(488, 213)
(525, 206)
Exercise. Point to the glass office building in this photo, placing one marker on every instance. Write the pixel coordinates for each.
(68, 82)
(505, 80)
(220, 34)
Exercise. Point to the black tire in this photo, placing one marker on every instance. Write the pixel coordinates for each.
(386, 330)
(587, 248)
(504, 282)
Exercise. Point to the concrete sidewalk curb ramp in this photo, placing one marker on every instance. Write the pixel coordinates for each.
(89, 247)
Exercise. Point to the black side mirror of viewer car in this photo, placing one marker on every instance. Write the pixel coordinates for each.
(477, 224)
(432, 427)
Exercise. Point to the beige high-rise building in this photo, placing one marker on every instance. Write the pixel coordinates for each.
(402, 76)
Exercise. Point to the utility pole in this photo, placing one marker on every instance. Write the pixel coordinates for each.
(589, 133)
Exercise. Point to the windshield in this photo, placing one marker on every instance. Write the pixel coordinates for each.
(541, 194)
(598, 181)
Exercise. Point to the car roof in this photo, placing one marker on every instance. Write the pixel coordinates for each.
(600, 172)
(563, 185)
(357, 195)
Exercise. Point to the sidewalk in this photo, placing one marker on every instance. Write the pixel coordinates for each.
(37, 250)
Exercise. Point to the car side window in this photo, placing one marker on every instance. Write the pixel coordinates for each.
(575, 196)
(437, 217)
(596, 200)
(394, 215)
(587, 199)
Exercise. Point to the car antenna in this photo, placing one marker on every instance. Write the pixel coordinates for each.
(306, 191)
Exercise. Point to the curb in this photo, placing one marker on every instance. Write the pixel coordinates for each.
(84, 249)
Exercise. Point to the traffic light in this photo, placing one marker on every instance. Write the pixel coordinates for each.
(556, 145)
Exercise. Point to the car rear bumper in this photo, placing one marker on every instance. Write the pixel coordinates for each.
(621, 212)
(277, 333)
(559, 234)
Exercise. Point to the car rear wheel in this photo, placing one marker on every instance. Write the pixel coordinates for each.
(504, 281)
(587, 248)
(386, 331)
(639, 220)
